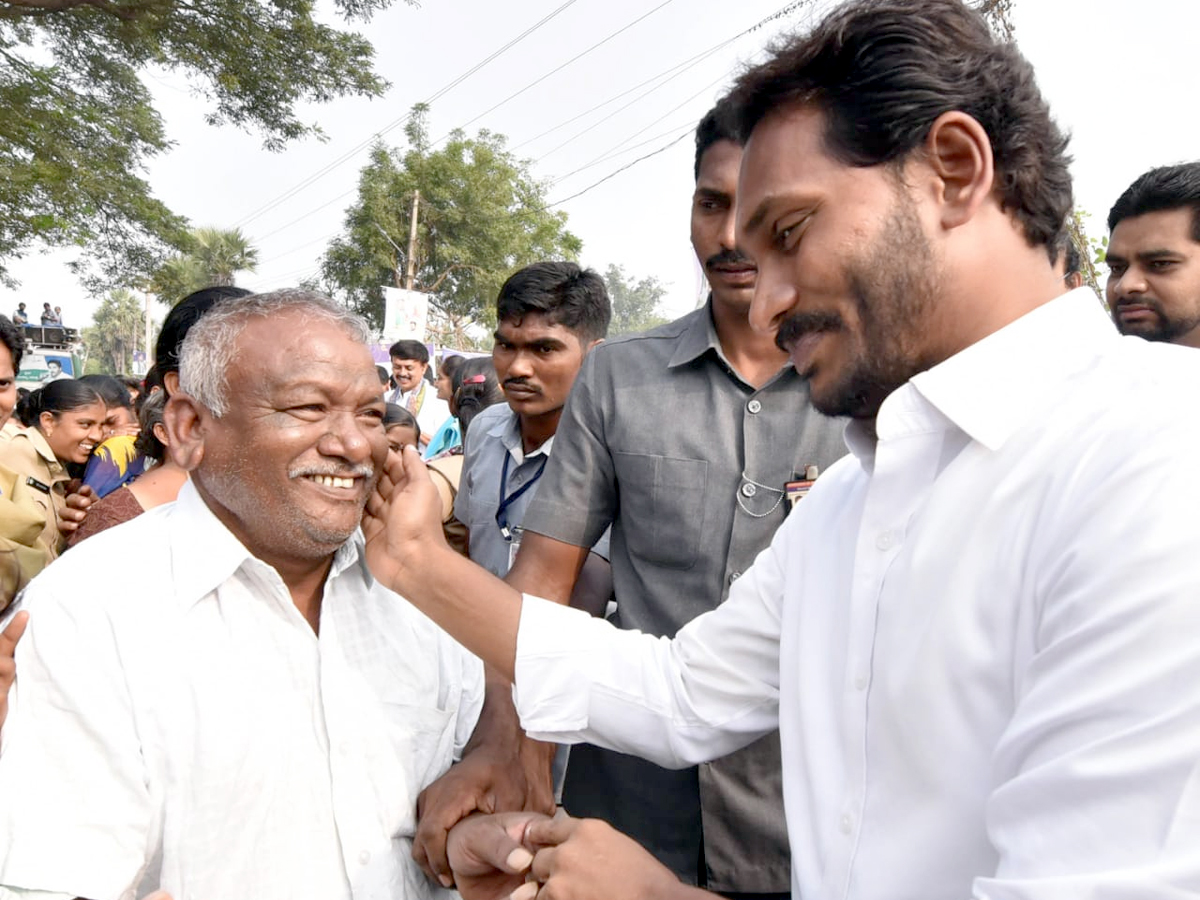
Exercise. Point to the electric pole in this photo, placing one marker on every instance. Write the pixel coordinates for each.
(411, 271)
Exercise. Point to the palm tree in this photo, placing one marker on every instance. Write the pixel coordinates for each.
(222, 253)
(213, 256)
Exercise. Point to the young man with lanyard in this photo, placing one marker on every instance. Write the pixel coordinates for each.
(549, 315)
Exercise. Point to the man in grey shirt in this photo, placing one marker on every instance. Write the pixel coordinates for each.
(691, 440)
(549, 316)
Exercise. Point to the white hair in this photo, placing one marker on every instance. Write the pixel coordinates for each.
(211, 344)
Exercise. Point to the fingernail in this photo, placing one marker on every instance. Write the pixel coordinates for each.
(446, 880)
(527, 891)
(519, 860)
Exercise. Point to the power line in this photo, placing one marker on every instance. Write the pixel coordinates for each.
(557, 69)
(630, 165)
(441, 92)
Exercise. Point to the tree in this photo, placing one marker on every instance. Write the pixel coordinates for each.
(78, 124)
(117, 329)
(482, 215)
(212, 256)
(634, 304)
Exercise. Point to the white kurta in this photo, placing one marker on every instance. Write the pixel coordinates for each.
(979, 636)
(180, 725)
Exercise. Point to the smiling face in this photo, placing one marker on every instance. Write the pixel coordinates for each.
(120, 420)
(536, 362)
(846, 273)
(1153, 286)
(289, 467)
(74, 433)
(730, 273)
(408, 372)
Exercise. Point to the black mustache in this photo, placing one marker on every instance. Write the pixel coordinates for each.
(520, 382)
(795, 327)
(728, 258)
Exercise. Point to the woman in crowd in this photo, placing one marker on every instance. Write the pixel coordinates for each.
(448, 436)
(476, 390)
(64, 423)
(115, 462)
(400, 426)
(160, 484)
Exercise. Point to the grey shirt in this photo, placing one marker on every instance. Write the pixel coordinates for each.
(494, 435)
(663, 440)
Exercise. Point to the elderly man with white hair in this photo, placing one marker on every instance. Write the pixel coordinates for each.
(247, 712)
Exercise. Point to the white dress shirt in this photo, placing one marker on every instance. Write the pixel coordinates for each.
(979, 636)
(433, 411)
(181, 726)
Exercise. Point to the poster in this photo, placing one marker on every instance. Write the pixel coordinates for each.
(405, 315)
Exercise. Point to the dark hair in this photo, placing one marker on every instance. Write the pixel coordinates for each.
(56, 397)
(395, 414)
(151, 384)
(132, 384)
(409, 350)
(12, 338)
(449, 367)
(1072, 261)
(110, 389)
(477, 389)
(566, 294)
(719, 124)
(183, 315)
(882, 71)
(147, 443)
(1159, 190)
(385, 377)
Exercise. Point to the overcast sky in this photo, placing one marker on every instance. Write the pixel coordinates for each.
(1119, 75)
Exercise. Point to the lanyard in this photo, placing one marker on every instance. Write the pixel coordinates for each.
(506, 502)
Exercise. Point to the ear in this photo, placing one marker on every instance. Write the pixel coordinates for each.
(592, 346)
(960, 154)
(47, 422)
(171, 382)
(186, 422)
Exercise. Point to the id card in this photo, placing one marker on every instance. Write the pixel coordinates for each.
(513, 546)
(794, 492)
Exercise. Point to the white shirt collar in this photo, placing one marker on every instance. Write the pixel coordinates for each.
(204, 553)
(992, 387)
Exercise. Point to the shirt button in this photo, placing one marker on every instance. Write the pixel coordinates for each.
(754, 406)
(886, 540)
(860, 682)
(364, 858)
(734, 576)
(749, 490)
(846, 824)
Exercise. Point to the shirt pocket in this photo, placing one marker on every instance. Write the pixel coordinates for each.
(662, 507)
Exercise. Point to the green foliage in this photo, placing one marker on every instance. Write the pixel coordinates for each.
(78, 124)
(211, 256)
(118, 328)
(634, 304)
(482, 215)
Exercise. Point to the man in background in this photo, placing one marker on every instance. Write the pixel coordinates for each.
(1153, 258)
(410, 359)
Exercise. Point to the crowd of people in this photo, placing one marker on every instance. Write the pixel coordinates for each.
(873, 577)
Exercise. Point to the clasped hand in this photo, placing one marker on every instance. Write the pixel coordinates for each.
(527, 855)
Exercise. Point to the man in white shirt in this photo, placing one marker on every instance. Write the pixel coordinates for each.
(410, 359)
(246, 712)
(977, 633)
